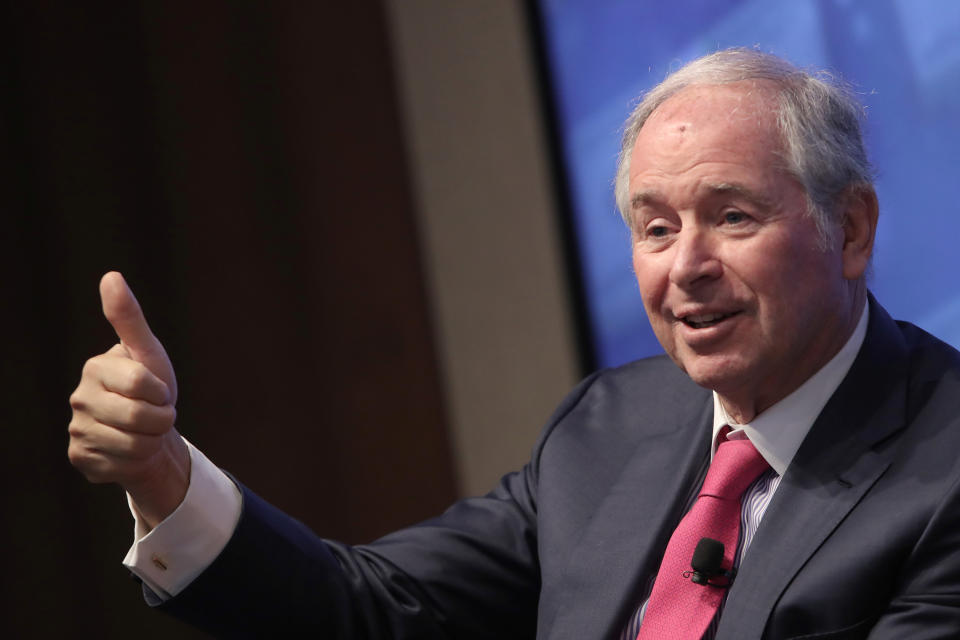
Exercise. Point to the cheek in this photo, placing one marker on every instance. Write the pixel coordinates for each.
(653, 283)
(650, 281)
(786, 280)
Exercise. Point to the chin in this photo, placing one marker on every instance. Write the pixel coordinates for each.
(717, 373)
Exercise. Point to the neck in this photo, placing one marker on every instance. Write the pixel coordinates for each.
(746, 402)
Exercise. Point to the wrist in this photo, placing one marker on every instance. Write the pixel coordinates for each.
(162, 487)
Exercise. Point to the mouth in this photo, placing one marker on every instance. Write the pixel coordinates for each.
(704, 320)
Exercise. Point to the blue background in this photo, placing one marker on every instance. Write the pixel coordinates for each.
(901, 56)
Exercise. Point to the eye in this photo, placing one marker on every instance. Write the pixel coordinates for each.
(657, 230)
(734, 217)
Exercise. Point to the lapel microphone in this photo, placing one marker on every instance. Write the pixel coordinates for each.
(706, 564)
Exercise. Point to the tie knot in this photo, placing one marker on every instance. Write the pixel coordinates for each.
(736, 464)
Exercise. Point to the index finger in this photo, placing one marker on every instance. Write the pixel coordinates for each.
(131, 379)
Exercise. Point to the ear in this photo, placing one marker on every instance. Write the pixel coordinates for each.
(859, 215)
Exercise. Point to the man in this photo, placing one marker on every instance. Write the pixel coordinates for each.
(747, 192)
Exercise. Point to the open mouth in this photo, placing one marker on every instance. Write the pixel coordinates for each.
(704, 320)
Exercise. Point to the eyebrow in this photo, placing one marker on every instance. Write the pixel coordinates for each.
(654, 197)
(725, 188)
(642, 198)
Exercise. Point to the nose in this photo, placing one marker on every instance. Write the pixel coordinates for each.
(695, 260)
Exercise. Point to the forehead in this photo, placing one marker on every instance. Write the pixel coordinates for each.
(734, 100)
(708, 122)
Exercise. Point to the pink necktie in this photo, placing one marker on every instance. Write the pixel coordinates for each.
(678, 608)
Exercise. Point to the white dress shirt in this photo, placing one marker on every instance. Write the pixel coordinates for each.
(776, 433)
(170, 556)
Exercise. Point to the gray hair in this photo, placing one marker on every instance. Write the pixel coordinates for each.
(818, 118)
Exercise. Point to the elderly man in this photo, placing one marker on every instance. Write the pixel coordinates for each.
(792, 473)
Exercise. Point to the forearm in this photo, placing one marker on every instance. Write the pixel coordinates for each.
(469, 573)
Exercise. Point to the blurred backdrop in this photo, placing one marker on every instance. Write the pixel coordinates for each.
(377, 238)
(338, 219)
(900, 57)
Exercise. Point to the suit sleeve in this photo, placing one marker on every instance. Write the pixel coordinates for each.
(472, 572)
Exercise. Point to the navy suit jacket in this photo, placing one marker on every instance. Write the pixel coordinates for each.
(862, 538)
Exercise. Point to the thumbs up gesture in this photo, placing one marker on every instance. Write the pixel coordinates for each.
(122, 429)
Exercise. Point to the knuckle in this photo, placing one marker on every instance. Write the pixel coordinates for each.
(96, 466)
(133, 415)
(76, 429)
(90, 367)
(73, 454)
(76, 400)
(136, 376)
(84, 461)
(140, 417)
(165, 418)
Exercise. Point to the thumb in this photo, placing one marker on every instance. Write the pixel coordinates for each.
(123, 312)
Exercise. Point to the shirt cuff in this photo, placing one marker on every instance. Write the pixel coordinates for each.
(177, 550)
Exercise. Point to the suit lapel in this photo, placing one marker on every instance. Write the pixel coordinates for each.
(835, 466)
(624, 540)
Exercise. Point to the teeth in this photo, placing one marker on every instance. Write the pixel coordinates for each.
(704, 320)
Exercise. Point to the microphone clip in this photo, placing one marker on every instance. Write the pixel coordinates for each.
(706, 569)
(720, 580)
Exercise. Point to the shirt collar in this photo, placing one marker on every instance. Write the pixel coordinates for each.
(778, 431)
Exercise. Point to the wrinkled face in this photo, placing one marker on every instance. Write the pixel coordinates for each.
(736, 285)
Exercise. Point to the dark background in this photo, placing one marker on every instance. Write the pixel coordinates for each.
(242, 164)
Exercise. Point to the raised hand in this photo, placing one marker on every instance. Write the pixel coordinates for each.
(122, 429)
